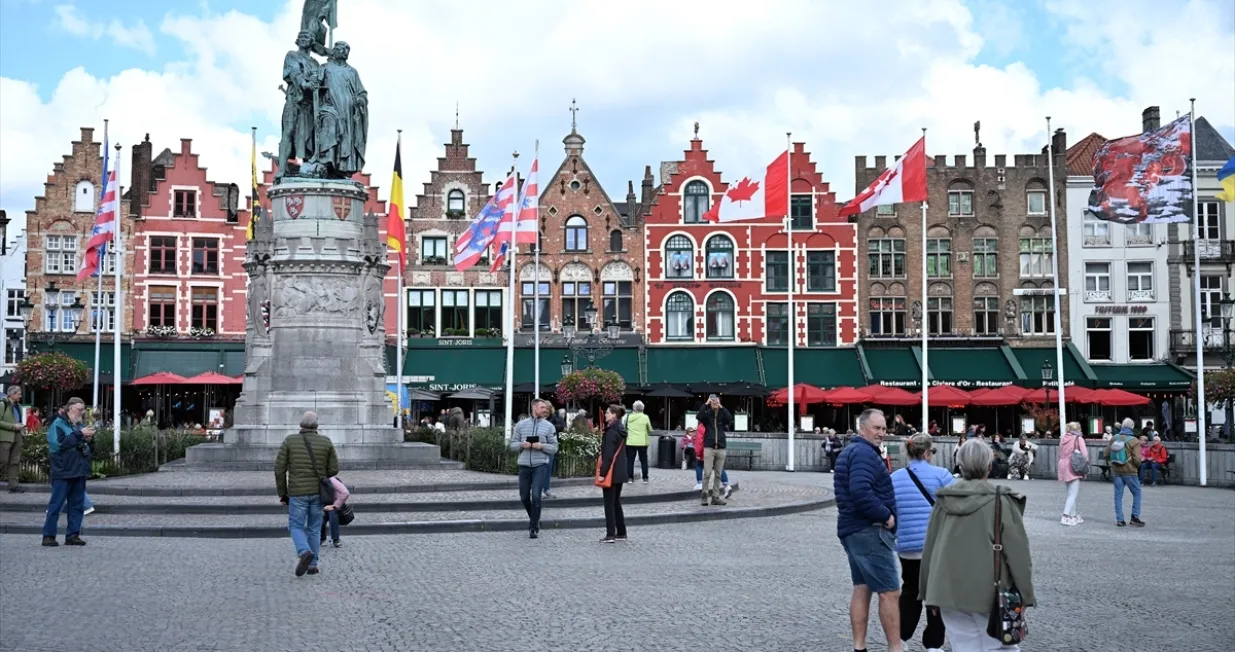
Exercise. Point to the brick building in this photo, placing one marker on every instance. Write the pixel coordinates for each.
(440, 300)
(725, 284)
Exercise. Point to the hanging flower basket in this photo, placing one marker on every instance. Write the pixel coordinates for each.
(588, 385)
(1219, 386)
(161, 331)
(52, 371)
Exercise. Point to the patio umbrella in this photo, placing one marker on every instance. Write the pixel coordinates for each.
(667, 392)
(423, 395)
(160, 378)
(1048, 395)
(946, 396)
(1118, 398)
(475, 394)
(893, 396)
(847, 396)
(631, 390)
(974, 393)
(706, 388)
(803, 394)
(744, 389)
(210, 378)
(1002, 397)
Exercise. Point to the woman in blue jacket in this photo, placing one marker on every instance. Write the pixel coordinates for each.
(915, 487)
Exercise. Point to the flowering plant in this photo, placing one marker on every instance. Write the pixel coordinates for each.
(52, 371)
(1219, 386)
(161, 331)
(200, 332)
(588, 385)
(582, 444)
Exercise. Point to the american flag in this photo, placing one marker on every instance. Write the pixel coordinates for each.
(104, 230)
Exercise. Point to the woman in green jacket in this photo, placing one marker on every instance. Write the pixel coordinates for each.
(638, 433)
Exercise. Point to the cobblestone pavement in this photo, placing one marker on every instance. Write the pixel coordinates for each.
(762, 585)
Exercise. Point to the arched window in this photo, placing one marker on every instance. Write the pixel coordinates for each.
(456, 205)
(679, 258)
(696, 200)
(83, 197)
(679, 317)
(720, 257)
(576, 233)
(615, 240)
(720, 317)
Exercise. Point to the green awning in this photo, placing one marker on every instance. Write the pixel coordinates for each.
(1032, 360)
(702, 364)
(187, 358)
(1159, 377)
(453, 369)
(894, 367)
(971, 368)
(85, 352)
(824, 368)
(233, 363)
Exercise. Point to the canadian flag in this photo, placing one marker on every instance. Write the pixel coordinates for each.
(905, 181)
(764, 194)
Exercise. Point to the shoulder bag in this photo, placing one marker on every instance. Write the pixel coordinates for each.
(925, 494)
(1006, 622)
(1078, 460)
(325, 490)
(606, 481)
(346, 515)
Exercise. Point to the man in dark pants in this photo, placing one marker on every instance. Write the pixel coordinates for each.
(70, 448)
(535, 440)
(12, 432)
(716, 420)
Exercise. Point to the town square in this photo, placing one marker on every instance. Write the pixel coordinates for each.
(320, 354)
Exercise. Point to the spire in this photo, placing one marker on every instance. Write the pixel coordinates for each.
(574, 141)
(456, 114)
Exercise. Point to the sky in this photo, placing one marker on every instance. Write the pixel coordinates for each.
(847, 78)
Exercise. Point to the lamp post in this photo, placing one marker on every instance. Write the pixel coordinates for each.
(1227, 305)
(567, 367)
(1048, 373)
(595, 345)
(54, 335)
(26, 309)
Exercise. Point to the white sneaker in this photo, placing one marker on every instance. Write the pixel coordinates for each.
(1067, 520)
(88, 511)
(1077, 519)
(698, 486)
(728, 491)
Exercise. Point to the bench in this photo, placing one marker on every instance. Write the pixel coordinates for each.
(1104, 465)
(1165, 471)
(745, 451)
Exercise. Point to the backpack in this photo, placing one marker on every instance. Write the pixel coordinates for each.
(1119, 449)
(1079, 461)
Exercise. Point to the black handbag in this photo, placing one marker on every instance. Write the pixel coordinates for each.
(346, 515)
(1006, 623)
(325, 490)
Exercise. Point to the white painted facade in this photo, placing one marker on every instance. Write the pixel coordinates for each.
(1217, 264)
(13, 291)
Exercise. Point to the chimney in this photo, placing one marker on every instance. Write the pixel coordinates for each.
(4, 233)
(186, 146)
(1151, 120)
(1059, 142)
(648, 186)
(141, 174)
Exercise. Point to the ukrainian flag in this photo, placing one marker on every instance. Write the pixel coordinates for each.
(1226, 177)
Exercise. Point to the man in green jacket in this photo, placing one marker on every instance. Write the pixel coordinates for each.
(305, 459)
(12, 432)
(638, 434)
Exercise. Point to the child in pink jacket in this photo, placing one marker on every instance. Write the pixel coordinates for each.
(332, 512)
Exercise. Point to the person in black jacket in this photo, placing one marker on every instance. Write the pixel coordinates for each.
(614, 440)
(715, 419)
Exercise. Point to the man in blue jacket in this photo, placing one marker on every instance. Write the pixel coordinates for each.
(70, 447)
(866, 525)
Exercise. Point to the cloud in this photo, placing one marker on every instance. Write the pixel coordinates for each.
(136, 36)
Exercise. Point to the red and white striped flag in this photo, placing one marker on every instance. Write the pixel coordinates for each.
(905, 181)
(523, 218)
(104, 230)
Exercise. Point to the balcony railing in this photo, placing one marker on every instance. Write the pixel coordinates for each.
(1212, 251)
(1213, 340)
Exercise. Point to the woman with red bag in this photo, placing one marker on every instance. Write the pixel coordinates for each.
(611, 473)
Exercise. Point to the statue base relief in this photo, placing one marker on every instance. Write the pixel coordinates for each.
(316, 336)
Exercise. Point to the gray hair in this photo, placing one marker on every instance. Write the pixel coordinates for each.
(637, 406)
(1129, 424)
(919, 445)
(14, 389)
(866, 416)
(74, 401)
(974, 459)
(309, 421)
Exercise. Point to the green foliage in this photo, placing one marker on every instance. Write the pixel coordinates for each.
(487, 450)
(1219, 386)
(52, 371)
(142, 450)
(588, 385)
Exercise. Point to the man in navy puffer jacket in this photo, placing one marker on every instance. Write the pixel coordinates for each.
(866, 525)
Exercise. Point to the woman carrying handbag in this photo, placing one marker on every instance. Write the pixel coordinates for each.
(611, 473)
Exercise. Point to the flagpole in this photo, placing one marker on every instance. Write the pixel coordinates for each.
(98, 297)
(793, 312)
(510, 311)
(117, 240)
(536, 329)
(1050, 180)
(399, 306)
(926, 319)
(1201, 406)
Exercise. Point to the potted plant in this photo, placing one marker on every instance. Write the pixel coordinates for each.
(413, 332)
(162, 332)
(591, 385)
(455, 215)
(199, 332)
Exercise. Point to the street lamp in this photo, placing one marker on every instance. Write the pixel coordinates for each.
(1227, 305)
(568, 328)
(615, 331)
(567, 367)
(590, 314)
(27, 311)
(1048, 373)
(75, 309)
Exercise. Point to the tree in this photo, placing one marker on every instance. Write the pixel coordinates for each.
(1219, 386)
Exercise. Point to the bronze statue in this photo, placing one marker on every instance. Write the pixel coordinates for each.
(301, 75)
(318, 18)
(343, 116)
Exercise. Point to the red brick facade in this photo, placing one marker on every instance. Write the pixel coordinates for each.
(710, 284)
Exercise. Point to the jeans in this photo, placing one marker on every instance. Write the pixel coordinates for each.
(87, 504)
(304, 519)
(1069, 505)
(724, 475)
(1133, 483)
(532, 481)
(911, 608)
(631, 453)
(967, 632)
(73, 492)
(615, 520)
(549, 475)
(1153, 467)
(330, 518)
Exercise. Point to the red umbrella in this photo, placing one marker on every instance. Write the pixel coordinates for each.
(1117, 398)
(847, 396)
(1010, 395)
(893, 396)
(974, 393)
(803, 394)
(211, 378)
(160, 378)
(946, 396)
(1070, 395)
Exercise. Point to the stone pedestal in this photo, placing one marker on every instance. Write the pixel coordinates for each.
(316, 337)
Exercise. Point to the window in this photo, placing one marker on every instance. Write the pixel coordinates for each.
(60, 255)
(531, 312)
(776, 271)
(821, 324)
(777, 324)
(12, 307)
(821, 271)
(1037, 315)
(696, 201)
(801, 218)
(1211, 300)
(454, 313)
(109, 261)
(205, 256)
(205, 308)
(720, 317)
(1098, 334)
(83, 197)
(162, 300)
(615, 240)
(986, 315)
(1140, 338)
(1097, 281)
(1209, 220)
(887, 316)
(985, 258)
(185, 203)
(576, 234)
(940, 309)
(679, 317)
(162, 254)
(1141, 281)
(679, 258)
(887, 257)
(885, 210)
(576, 299)
(1036, 200)
(618, 303)
(58, 317)
(456, 203)
(960, 202)
(1139, 234)
(489, 309)
(103, 313)
(422, 312)
(939, 258)
(1097, 232)
(720, 257)
(1036, 261)
(433, 250)
(12, 348)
